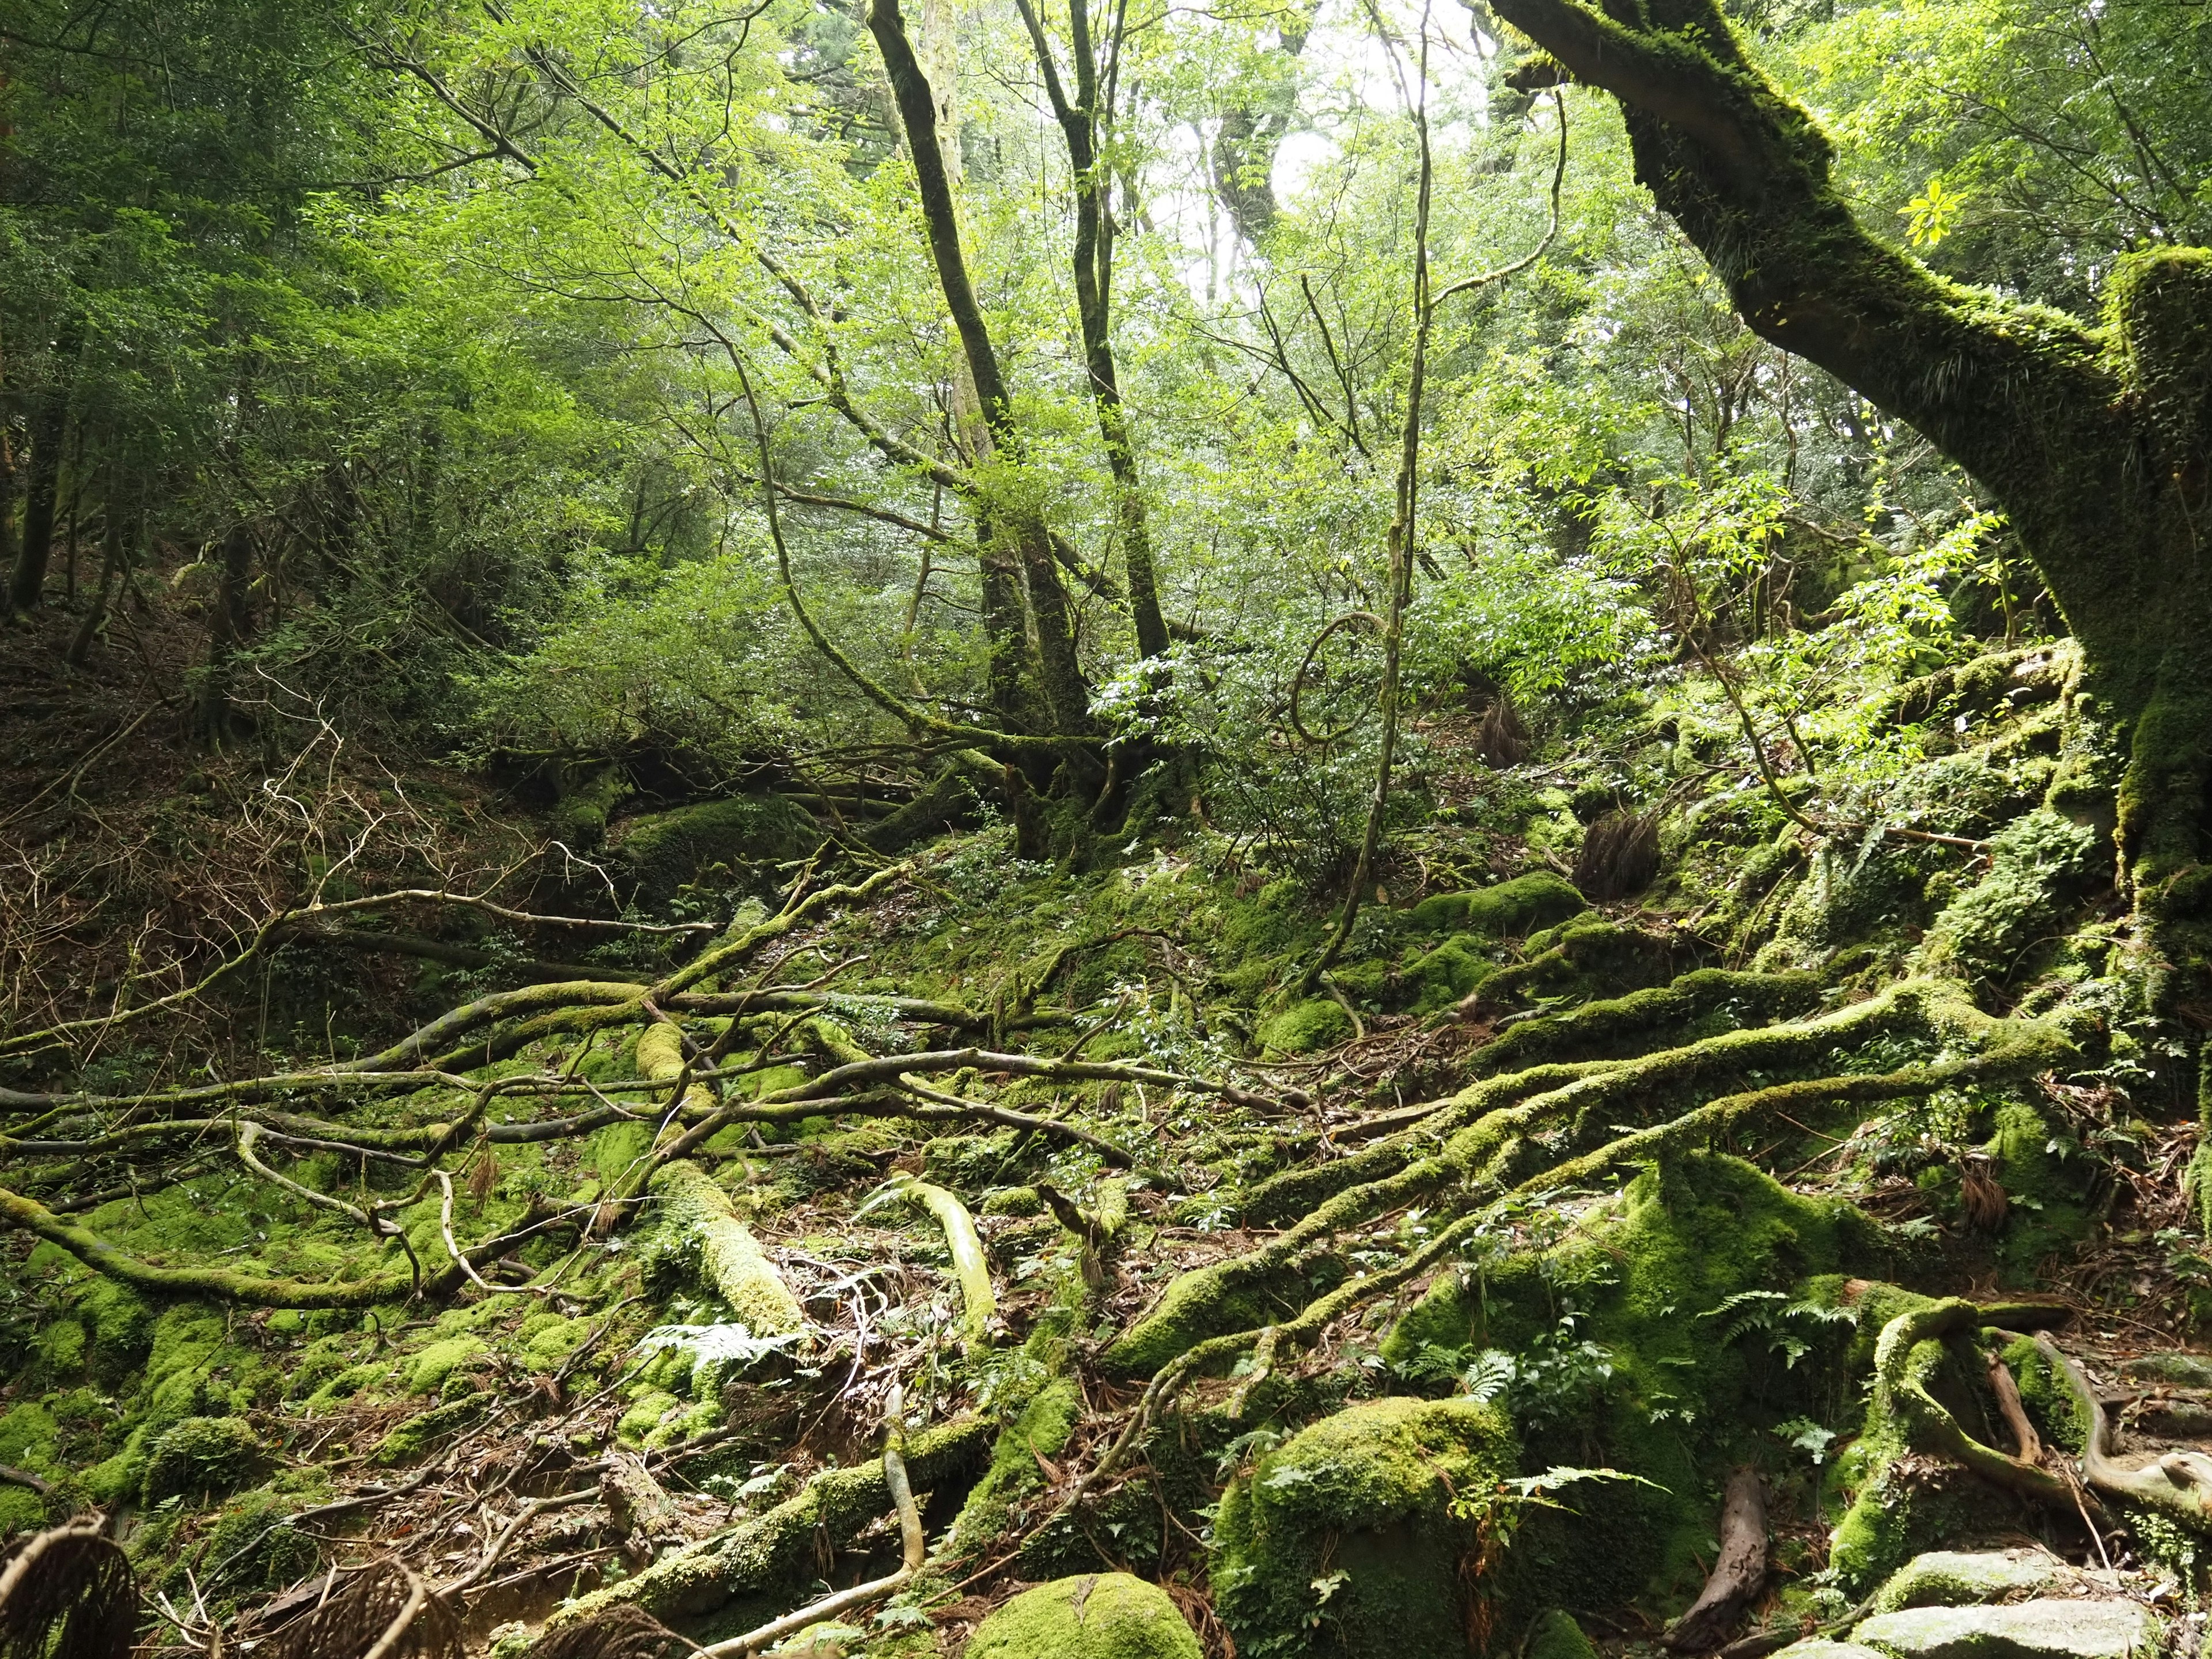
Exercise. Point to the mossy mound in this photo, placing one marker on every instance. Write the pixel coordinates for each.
(1108, 1615)
(203, 1454)
(1348, 1539)
(663, 852)
(1656, 1338)
(1306, 1027)
(1506, 911)
(1555, 1635)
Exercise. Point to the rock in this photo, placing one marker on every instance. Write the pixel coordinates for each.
(1953, 1578)
(1107, 1615)
(1819, 1647)
(744, 836)
(1555, 1635)
(1508, 910)
(2190, 1370)
(2046, 1628)
(1343, 1541)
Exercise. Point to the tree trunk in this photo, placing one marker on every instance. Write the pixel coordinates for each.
(230, 620)
(27, 580)
(2094, 444)
(1021, 525)
(1094, 302)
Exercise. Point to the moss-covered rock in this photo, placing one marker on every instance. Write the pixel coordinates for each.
(1555, 1635)
(2052, 1629)
(1508, 910)
(1306, 1027)
(203, 1454)
(1347, 1540)
(1108, 1615)
(1958, 1578)
(433, 1365)
(417, 1435)
(662, 852)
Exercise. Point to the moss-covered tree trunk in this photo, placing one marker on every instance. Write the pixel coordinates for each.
(2094, 441)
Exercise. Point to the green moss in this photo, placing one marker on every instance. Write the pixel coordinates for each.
(415, 1437)
(1439, 977)
(1954, 1578)
(1208, 1301)
(203, 1454)
(2039, 865)
(1094, 1616)
(644, 1416)
(258, 1547)
(431, 1366)
(548, 1339)
(1555, 1635)
(1344, 1540)
(661, 851)
(1042, 1430)
(1305, 1028)
(1701, 1003)
(1506, 911)
(2047, 1191)
(21, 1510)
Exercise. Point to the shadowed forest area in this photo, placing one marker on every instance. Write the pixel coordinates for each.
(868, 828)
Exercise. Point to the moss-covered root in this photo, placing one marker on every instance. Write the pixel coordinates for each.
(978, 1303)
(2176, 1486)
(729, 1259)
(775, 1554)
(1571, 1128)
(1106, 1615)
(1906, 1415)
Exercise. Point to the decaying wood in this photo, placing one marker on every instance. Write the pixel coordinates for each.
(1739, 1572)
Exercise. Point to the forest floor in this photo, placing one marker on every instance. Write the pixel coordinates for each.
(1441, 1309)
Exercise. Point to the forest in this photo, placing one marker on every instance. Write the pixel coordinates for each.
(877, 829)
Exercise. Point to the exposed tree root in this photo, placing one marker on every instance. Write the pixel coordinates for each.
(1739, 1570)
(2176, 1486)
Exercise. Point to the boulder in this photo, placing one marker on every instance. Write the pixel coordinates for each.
(1094, 1615)
(1347, 1540)
(2046, 1629)
(1953, 1578)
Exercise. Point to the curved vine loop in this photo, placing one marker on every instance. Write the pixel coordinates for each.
(1305, 665)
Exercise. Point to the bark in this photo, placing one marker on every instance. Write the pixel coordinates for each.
(1080, 122)
(27, 580)
(2095, 443)
(230, 620)
(1245, 143)
(1739, 1571)
(1017, 524)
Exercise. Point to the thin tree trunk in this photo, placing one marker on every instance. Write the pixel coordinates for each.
(230, 620)
(1080, 124)
(111, 567)
(1059, 672)
(28, 581)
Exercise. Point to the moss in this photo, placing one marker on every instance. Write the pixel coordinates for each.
(547, 1342)
(1701, 1003)
(2047, 1211)
(21, 1510)
(1094, 1616)
(761, 1562)
(1041, 1430)
(257, 1546)
(1305, 1028)
(1682, 1297)
(415, 1437)
(644, 1416)
(1953, 1578)
(1344, 1540)
(1208, 1301)
(2039, 865)
(1555, 1635)
(1587, 957)
(704, 1231)
(746, 835)
(433, 1365)
(1439, 977)
(1506, 911)
(203, 1454)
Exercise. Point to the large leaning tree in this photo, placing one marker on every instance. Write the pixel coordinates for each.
(2097, 442)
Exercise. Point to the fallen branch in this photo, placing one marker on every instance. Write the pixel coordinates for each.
(1739, 1570)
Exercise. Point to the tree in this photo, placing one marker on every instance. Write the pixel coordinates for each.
(2096, 442)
